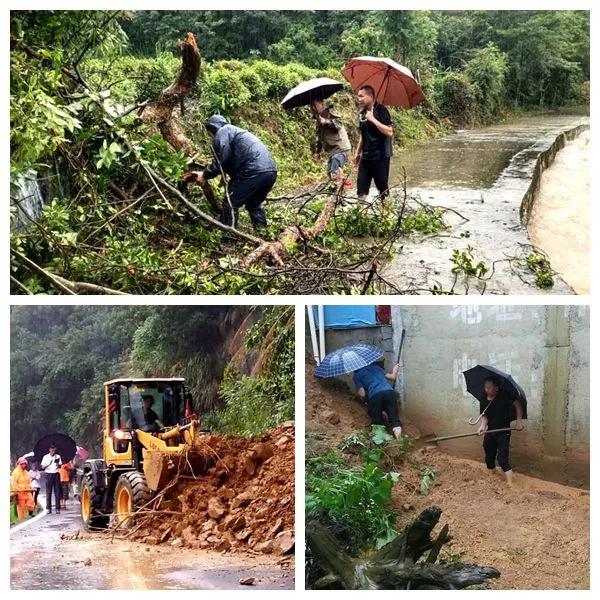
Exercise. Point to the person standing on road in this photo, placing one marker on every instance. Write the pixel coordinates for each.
(65, 480)
(21, 486)
(35, 477)
(375, 146)
(252, 171)
(496, 409)
(332, 139)
(373, 385)
(51, 464)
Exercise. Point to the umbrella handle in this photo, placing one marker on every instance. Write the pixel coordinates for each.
(475, 421)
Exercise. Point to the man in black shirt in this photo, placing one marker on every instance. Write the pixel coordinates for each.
(496, 408)
(375, 146)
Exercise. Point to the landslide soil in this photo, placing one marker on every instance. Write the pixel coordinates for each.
(536, 534)
(243, 500)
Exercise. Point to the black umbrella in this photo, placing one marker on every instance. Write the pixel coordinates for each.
(308, 91)
(65, 446)
(476, 377)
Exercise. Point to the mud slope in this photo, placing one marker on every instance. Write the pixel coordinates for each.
(536, 534)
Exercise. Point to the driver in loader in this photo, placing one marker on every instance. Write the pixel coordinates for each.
(151, 419)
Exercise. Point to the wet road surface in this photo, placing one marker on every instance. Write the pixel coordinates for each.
(483, 174)
(54, 553)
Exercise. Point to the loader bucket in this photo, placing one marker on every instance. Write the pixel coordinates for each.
(160, 468)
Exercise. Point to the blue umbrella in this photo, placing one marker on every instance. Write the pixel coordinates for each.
(348, 359)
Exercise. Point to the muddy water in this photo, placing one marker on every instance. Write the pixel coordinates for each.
(483, 174)
(558, 205)
(41, 559)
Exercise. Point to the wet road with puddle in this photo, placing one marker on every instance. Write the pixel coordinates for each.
(53, 552)
(483, 174)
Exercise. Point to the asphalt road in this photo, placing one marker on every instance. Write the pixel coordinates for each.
(53, 552)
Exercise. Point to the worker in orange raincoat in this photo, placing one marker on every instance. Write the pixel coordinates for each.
(21, 486)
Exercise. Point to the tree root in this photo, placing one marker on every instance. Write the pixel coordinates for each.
(396, 566)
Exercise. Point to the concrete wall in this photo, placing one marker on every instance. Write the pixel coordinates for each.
(545, 348)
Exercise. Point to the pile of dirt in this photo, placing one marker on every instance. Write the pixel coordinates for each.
(334, 412)
(243, 501)
(535, 533)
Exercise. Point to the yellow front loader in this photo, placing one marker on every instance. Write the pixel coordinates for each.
(148, 434)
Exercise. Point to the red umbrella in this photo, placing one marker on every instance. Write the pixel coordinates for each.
(393, 83)
(82, 453)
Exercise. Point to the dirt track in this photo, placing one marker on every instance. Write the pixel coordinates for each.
(536, 534)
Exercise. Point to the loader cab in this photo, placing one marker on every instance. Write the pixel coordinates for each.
(125, 413)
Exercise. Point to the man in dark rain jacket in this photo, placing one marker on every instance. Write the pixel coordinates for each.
(246, 160)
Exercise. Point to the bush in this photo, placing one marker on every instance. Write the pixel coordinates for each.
(486, 72)
(454, 96)
(224, 89)
(256, 403)
(356, 498)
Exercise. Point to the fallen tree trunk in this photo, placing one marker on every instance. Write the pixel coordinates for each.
(278, 249)
(396, 566)
(159, 112)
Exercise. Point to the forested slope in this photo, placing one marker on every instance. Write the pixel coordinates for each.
(238, 362)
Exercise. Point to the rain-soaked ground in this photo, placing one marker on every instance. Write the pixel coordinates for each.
(483, 175)
(41, 559)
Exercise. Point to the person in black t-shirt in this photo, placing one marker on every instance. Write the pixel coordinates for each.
(496, 408)
(375, 146)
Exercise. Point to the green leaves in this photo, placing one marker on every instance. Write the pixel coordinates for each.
(108, 154)
(463, 262)
(427, 477)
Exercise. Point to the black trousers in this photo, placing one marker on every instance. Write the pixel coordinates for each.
(384, 402)
(250, 192)
(496, 447)
(53, 485)
(36, 493)
(373, 170)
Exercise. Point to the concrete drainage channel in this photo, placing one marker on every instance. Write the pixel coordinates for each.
(496, 230)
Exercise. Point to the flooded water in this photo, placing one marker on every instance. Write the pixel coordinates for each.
(482, 174)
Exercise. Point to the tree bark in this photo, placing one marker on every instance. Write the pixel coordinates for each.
(159, 112)
(396, 565)
(279, 249)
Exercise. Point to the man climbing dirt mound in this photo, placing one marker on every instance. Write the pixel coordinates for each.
(243, 501)
(536, 534)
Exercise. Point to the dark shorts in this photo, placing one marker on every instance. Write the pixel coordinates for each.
(373, 170)
(336, 162)
(64, 490)
(496, 447)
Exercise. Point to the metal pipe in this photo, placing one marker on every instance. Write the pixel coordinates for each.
(322, 330)
(313, 334)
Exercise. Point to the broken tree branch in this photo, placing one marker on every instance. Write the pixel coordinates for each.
(279, 249)
(159, 112)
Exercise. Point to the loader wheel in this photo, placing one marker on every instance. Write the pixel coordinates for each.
(91, 505)
(131, 494)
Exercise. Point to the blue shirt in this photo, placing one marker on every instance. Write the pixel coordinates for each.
(372, 379)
